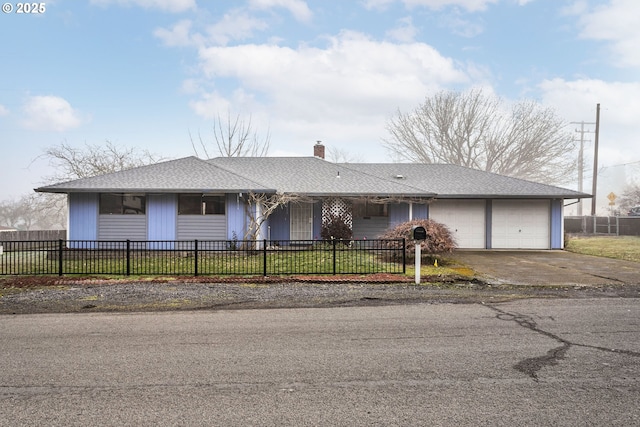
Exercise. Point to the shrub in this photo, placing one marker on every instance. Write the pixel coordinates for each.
(439, 239)
(336, 228)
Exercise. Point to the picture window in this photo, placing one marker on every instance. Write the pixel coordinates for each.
(201, 204)
(122, 204)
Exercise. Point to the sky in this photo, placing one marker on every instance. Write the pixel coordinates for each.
(153, 74)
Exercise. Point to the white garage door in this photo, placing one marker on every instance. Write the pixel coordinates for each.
(465, 219)
(520, 224)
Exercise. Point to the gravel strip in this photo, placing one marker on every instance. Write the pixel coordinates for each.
(118, 296)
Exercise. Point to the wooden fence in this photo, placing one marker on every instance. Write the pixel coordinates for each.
(611, 225)
(35, 237)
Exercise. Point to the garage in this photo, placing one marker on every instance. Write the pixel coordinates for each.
(520, 224)
(465, 219)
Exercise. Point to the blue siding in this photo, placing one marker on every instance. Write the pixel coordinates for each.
(420, 211)
(279, 223)
(236, 217)
(317, 220)
(202, 227)
(122, 227)
(162, 212)
(398, 213)
(83, 216)
(557, 232)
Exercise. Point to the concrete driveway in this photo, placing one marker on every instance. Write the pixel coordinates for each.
(548, 268)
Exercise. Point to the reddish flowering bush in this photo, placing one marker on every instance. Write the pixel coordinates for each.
(439, 239)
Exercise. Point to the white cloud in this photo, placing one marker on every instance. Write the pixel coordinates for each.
(297, 8)
(49, 113)
(380, 5)
(3, 110)
(618, 23)
(173, 6)
(579, 98)
(461, 26)
(618, 154)
(344, 91)
(210, 104)
(235, 25)
(178, 35)
(620, 108)
(405, 31)
(469, 5)
(352, 74)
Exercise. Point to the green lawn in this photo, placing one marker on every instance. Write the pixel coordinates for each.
(143, 263)
(619, 247)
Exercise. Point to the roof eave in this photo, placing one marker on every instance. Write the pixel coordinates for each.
(514, 196)
(384, 195)
(152, 190)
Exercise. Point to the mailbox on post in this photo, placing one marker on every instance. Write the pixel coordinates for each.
(418, 232)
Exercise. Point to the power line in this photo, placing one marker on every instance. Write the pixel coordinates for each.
(622, 164)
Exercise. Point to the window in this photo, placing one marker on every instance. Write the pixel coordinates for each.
(366, 209)
(200, 204)
(122, 204)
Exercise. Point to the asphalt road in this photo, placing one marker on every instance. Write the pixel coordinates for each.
(527, 362)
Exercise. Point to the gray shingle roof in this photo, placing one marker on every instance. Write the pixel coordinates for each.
(451, 181)
(314, 177)
(189, 174)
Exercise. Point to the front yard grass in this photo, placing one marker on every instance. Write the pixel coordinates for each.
(172, 263)
(618, 247)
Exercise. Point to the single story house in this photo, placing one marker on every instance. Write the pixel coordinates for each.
(191, 198)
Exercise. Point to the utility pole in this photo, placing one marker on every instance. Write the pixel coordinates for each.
(595, 162)
(582, 131)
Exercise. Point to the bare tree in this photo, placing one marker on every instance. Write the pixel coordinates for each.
(15, 214)
(233, 137)
(260, 206)
(630, 198)
(339, 155)
(93, 159)
(30, 212)
(475, 130)
(46, 211)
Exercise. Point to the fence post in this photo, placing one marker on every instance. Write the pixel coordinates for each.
(333, 242)
(60, 254)
(128, 257)
(195, 257)
(404, 256)
(264, 257)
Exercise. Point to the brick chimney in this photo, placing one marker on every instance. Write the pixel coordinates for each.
(318, 150)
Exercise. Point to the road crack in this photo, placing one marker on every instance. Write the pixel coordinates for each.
(531, 366)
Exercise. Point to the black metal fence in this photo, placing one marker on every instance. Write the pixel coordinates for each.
(199, 257)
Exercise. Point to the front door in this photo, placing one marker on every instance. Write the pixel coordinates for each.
(301, 221)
